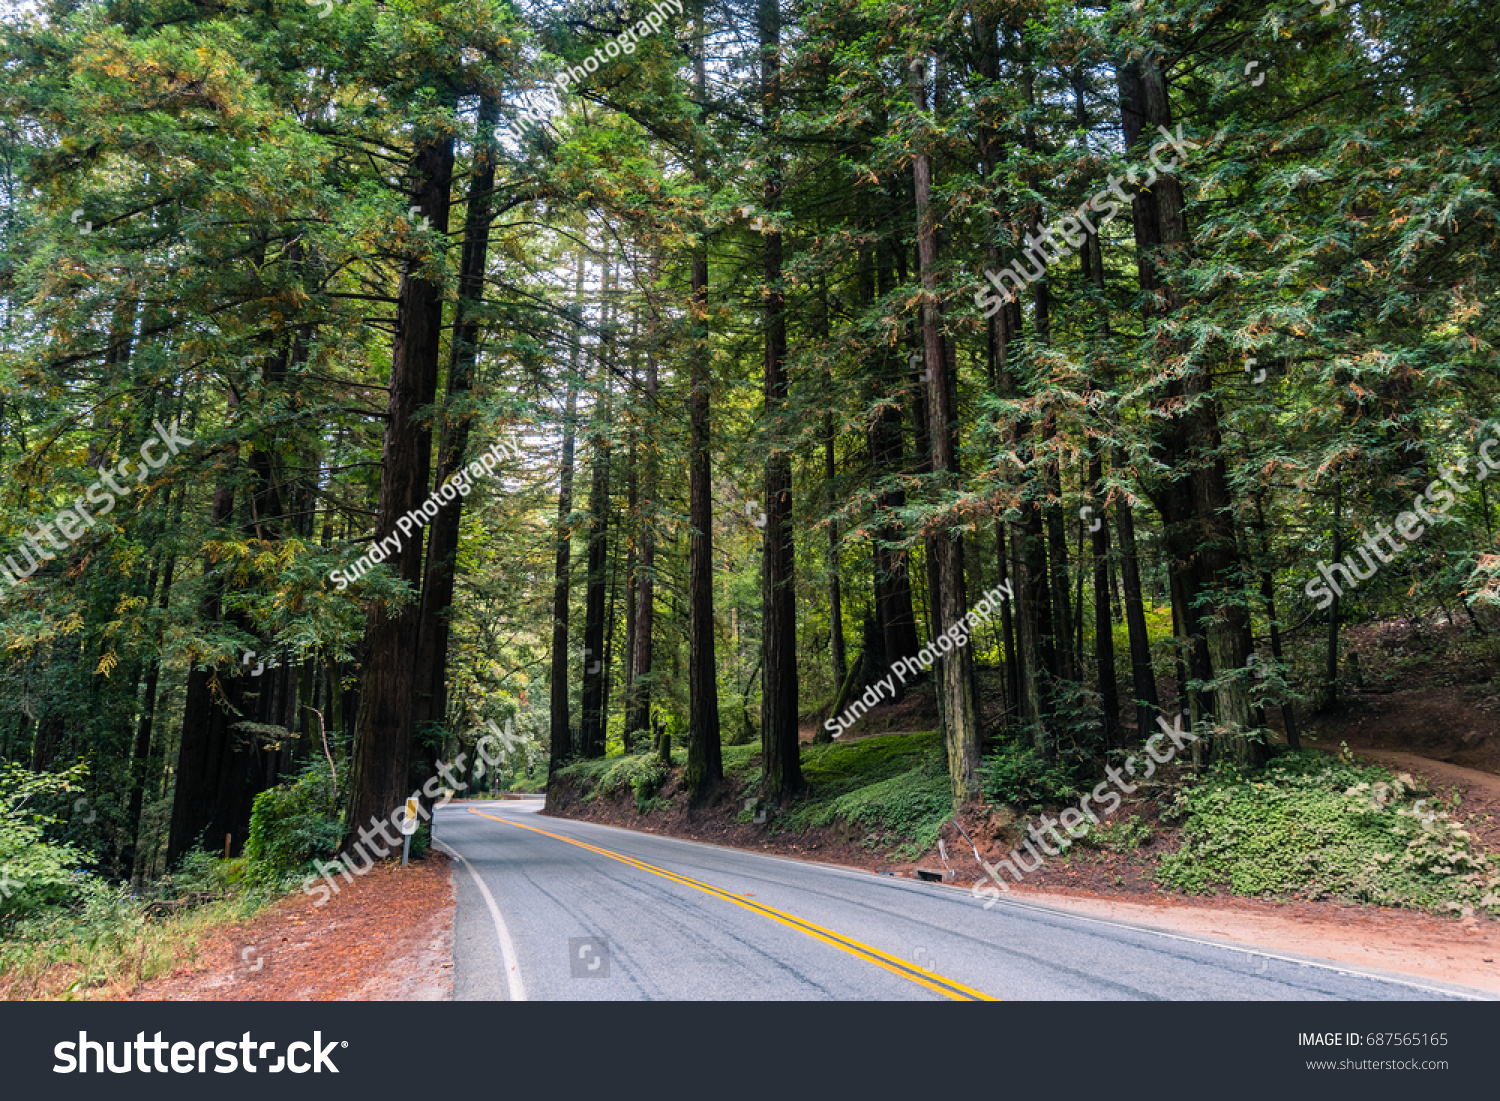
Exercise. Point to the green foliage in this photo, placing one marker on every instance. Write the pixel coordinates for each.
(645, 782)
(1340, 227)
(103, 946)
(1318, 827)
(606, 777)
(35, 873)
(1118, 834)
(1075, 728)
(1019, 776)
(421, 842)
(895, 787)
(292, 823)
(742, 761)
(203, 872)
(843, 766)
(533, 779)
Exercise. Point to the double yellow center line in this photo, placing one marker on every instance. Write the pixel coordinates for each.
(894, 964)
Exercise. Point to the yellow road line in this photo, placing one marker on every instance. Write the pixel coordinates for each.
(919, 975)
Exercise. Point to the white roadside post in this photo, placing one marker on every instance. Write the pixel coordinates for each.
(408, 827)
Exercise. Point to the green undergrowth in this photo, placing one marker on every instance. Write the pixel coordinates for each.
(1018, 776)
(605, 777)
(742, 764)
(1118, 835)
(891, 790)
(894, 788)
(1316, 827)
(292, 824)
(108, 941)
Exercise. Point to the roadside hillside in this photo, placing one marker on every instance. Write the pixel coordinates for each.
(1392, 803)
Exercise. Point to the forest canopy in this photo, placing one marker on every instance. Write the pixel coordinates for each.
(652, 377)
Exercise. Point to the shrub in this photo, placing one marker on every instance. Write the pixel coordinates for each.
(1020, 776)
(1117, 835)
(605, 777)
(204, 872)
(910, 808)
(35, 873)
(1320, 827)
(292, 823)
(642, 773)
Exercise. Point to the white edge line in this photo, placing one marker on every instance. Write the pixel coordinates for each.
(515, 989)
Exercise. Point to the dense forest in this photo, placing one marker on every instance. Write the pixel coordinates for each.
(378, 373)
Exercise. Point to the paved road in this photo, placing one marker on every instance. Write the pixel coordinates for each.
(558, 910)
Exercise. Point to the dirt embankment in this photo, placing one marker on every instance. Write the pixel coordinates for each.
(388, 936)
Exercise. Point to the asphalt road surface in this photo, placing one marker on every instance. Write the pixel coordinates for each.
(551, 909)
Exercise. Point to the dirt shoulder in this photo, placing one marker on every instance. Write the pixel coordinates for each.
(388, 936)
(1401, 941)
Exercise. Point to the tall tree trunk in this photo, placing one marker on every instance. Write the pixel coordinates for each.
(560, 727)
(632, 532)
(380, 779)
(1268, 595)
(591, 729)
(1195, 500)
(1057, 547)
(780, 760)
(837, 658)
(1330, 701)
(1037, 656)
(997, 338)
(1142, 673)
(211, 765)
(610, 621)
(705, 760)
(1104, 639)
(442, 538)
(638, 699)
(1010, 660)
(139, 771)
(959, 708)
(895, 612)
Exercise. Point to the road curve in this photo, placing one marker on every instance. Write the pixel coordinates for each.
(550, 909)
